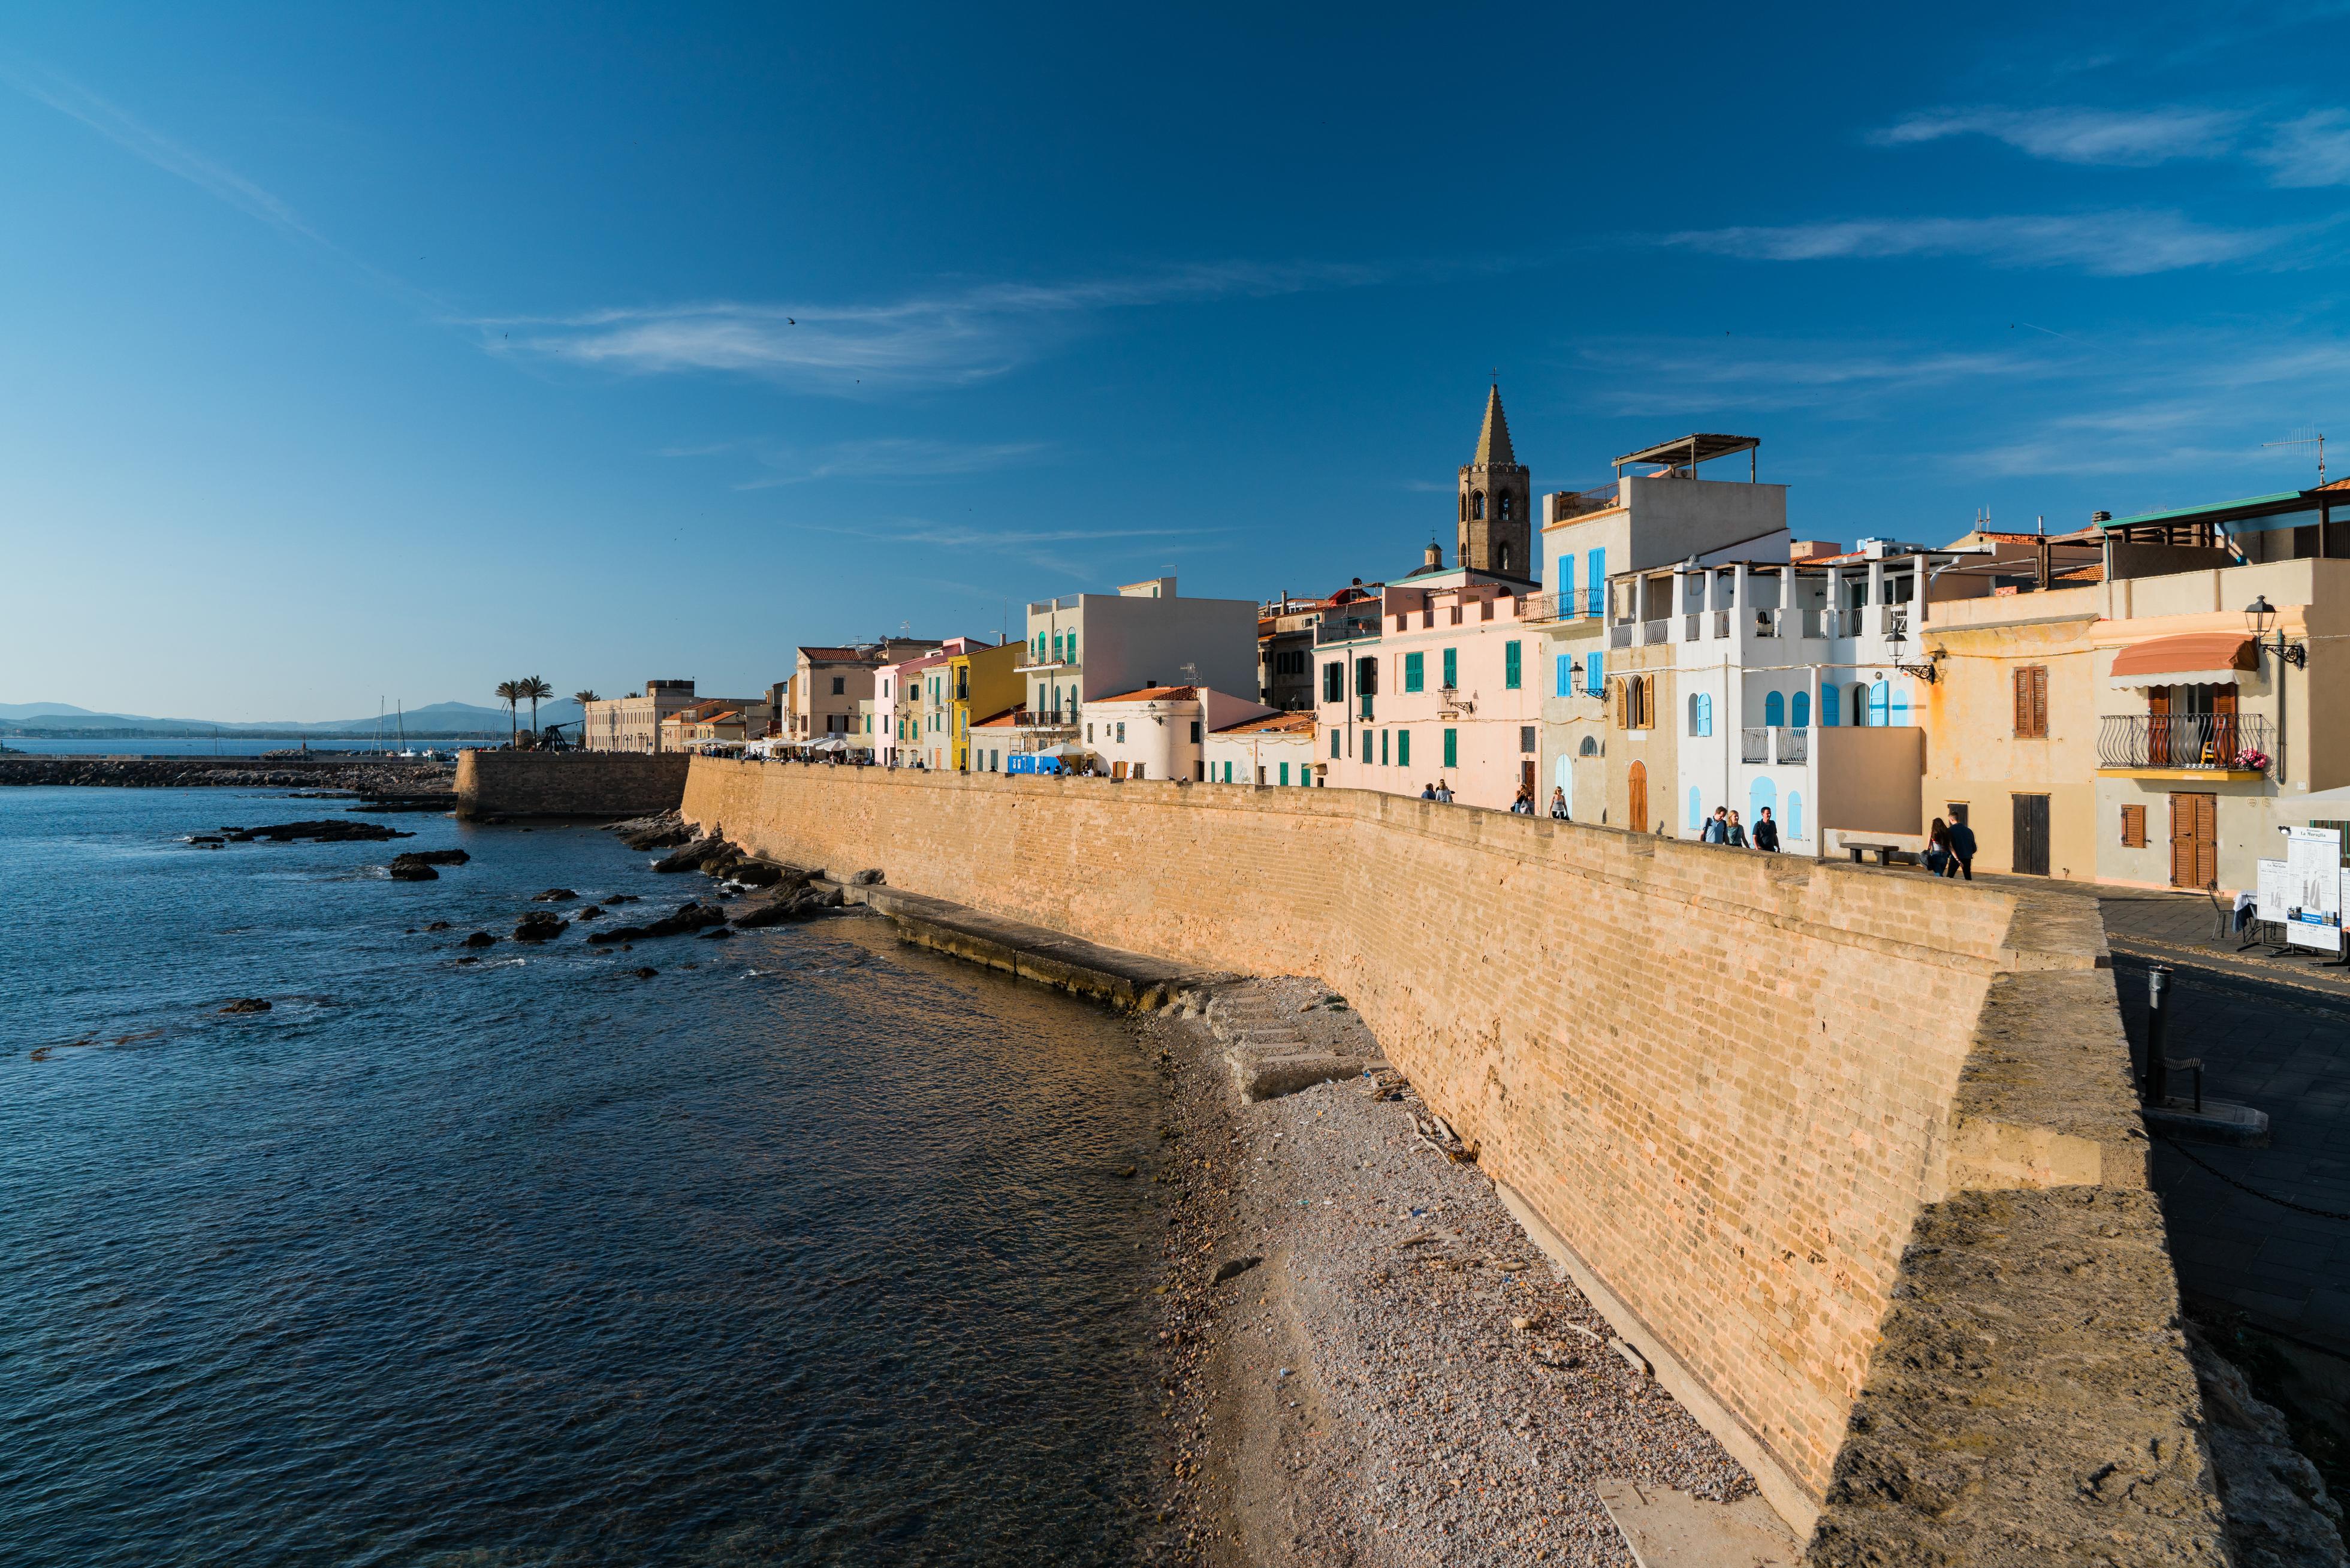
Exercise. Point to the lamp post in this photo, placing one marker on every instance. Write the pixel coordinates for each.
(2262, 617)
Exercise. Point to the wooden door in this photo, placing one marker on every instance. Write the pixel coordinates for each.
(2194, 840)
(1636, 783)
(2223, 726)
(1526, 778)
(2157, 726)
(2031, 856)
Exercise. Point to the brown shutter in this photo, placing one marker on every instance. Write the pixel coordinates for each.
(2207, 840)
(2182, 841)
(2040, 701)
(2022, 700)
(2133, 826)
(2157, 724)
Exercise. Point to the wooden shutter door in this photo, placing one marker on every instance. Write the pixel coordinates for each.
(2157, 724)
(2022, 700)
(2207, 839)
(2040, 700)
(1637, 783)
(2223, 724)
(2182, 841)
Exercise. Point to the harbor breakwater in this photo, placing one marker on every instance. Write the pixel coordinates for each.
(1851, 1153)
(373, 775)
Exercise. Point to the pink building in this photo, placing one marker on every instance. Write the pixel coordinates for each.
(1433, 682)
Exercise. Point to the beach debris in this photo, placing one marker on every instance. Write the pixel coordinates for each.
(1233, 1267)
(248, 1004)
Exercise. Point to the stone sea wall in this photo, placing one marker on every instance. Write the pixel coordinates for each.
(493, 784)
(1811, 1127)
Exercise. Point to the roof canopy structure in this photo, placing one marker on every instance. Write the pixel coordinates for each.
(1689, 450)
(2249, 514)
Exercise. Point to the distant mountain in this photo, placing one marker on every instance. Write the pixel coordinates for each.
(433, 719)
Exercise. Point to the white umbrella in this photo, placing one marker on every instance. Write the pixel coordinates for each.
(830, 743)
(2327, 804)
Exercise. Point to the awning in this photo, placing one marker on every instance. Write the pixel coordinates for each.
(2189, 658)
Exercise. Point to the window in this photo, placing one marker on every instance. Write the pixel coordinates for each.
(1121, 732)
(1452, 669)
(1513, 667)
(1403, 747)
(1860, 704)
(1595, 595)
(1526, 740)
(1775, 712)
(1595, 674)
(1195, 731)
(1476, 505)
(1333, 745)
(1504, 499)
(1415, 671)
(1700, 713)
(1799, 711)
(840, 685)
(1383, 748)
(1502, 552)
(1452, 748)
(1828, 719)
(1590, 747)
(2133, 824)
(2031, 703)
(1334, 682)
(1635, 698)
(1071, 652)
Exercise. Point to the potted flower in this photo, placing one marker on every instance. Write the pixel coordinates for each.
(2253, 758)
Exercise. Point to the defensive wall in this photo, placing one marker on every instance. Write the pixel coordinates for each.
(569, 784)
(1851, 1153)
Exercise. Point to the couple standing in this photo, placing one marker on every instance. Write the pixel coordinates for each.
(1724, 827)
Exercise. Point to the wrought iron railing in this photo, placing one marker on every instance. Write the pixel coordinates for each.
(1654, 631)
(1754, 744)
(2220, 742)
(1539, 607)
(1344, 629)
(1620, 634)
(1792, 745)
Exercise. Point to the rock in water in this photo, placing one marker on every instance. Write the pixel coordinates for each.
(481, 940)
(554, 896)
(437, 856)
(406, 870)
(716, 934)
(692, 855)
(647, 972)
(338, 831)
(539, 925)
(248, 1004)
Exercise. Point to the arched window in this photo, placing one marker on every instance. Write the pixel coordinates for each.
(1502, 556)
(1775, 712)
(1828, 719)
(1794, 828)
(1880, 703)
(1762, 793)
(1859, 704)
(1476, 504)
(1800, 711)
(1700, 713)
(1696, 810)
(1505, 506)
(1590, 747)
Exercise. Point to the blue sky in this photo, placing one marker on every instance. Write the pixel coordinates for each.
(351, 354)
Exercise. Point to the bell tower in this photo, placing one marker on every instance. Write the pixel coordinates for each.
(1496, 495)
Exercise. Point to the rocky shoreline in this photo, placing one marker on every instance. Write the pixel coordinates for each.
(371, 776)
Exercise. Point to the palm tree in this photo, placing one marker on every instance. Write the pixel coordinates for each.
(583, 699)
(532, 686)
(510, 693)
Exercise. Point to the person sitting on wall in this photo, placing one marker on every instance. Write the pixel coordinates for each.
(1428, 792)
(1443, 792)
(1523, 805)
(1558, 804)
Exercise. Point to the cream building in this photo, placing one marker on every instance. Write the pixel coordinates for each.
(1271, 749)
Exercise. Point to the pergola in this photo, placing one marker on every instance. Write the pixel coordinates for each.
(1687, 451)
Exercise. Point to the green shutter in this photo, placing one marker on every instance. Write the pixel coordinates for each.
(1403, 747)
(1453, 667)
(1415, 671)
(1513, 671)
(1285, 771)
(1452, 748)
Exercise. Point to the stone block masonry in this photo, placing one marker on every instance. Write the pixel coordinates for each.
(493, 784)
(1759, 1097)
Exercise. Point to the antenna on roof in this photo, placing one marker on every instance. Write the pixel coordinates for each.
(2308, 436)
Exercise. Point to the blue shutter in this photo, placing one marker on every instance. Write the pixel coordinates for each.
(1775, 712)
(1595, 675)
(1794, 815)
(1595, 597)
(1566, 583)
(1696, 810)
(1565, 673)
(1801, 710)
(1828, 720)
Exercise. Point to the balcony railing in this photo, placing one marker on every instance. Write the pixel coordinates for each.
(1754, 745)
(1620, 634)
(1693, 628)
(1654, 631)
(1792, 745)
(1344, 629)
(1538, 608)
(2220, 742)
(1721, 623)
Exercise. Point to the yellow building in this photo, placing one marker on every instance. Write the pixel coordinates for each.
(983, 683)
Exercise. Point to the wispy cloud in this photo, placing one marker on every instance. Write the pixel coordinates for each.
(937, 339)
(1648, 377)
(2135, 138)
(2110, 245)
(2314, 150)
(896, 458)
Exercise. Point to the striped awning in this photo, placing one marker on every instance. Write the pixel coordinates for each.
(2189, 658)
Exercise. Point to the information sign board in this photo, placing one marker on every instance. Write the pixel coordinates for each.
(2314, 887)
(2271, 901)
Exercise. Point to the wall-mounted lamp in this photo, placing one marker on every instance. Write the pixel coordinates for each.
(2262, 617)
(1926, 672)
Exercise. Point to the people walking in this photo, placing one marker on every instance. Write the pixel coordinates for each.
(1963, 851)
(1558, 804)
(1767, 832)
(1736, 836)
(1717, 826)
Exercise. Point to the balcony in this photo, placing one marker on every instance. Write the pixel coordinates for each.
(1620, 634)
(1693, 628)
(2237, 745)
(1754, 745)
(1345, 629)
(1792, 745)
(1653, 632)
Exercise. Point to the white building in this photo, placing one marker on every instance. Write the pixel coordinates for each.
(1798, 688)
(1273, 748)
(1161, 732)
(1085, 647)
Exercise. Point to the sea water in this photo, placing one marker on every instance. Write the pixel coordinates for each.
(812, 1248)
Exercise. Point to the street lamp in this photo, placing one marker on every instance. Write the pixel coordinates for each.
(1899, 634)
(2262, 617)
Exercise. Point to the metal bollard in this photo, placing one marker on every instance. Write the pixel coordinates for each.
(2158, 1027)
